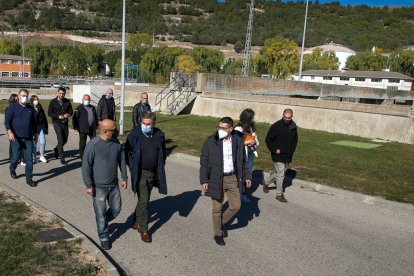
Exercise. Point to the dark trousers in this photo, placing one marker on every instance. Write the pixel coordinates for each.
(25, 146)
(82, 139)
(62, 133)
(146, 183)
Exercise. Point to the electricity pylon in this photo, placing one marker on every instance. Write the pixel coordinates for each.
(248, 44)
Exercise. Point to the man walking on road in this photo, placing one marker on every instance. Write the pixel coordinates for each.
(102, 157)
(281, 140)
(145, 154)
(223, 170)
(85, 122)
(21, 129)
(60, 109)
(140, 108)
(106, 106)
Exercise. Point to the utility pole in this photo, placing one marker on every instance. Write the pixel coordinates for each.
(22, 31)
(303, 42)
(121, 116)
(248, 44)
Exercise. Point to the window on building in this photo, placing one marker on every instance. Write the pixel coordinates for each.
(312, 77)
(25, 75)
(392, 87)
(15, 74)
(394, 80)
(359, 79)
(5, 74)
(376, 80)
(327, 78)
(344, 78)
(4, 61)
(26, 62)
(15, 61)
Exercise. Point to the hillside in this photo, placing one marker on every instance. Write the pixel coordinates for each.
(212, 23)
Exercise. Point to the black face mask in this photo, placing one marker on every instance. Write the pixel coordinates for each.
(287, 122)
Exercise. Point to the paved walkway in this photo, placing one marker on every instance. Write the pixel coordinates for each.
(315, 233)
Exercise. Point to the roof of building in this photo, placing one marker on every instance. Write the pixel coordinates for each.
(357, 74)
(333, 48)
(13, 57)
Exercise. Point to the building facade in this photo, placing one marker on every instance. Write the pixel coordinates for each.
(12, 67)
(341, 52)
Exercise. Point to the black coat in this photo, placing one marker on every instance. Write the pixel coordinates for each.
(211, 164)
(56, 109)
(133, 159)
(139, 109)
(80, 119)
(283, 137)
(41, 119)
(106, 109)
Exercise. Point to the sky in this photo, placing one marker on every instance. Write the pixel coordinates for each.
(365, 2)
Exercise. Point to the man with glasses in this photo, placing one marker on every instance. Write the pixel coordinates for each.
(223, 170)
(281, 140)
(140, 108)
(106, 107)
(101, 159)
(60, 109)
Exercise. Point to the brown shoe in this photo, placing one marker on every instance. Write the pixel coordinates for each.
(145, 237)
(265, 188)
(136, 227)
(281, 198)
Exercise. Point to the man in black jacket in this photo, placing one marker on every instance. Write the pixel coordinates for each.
(140, 108)
(85, 122)
(223, 169)
(281, 140)
(106, 106)
(60, 109)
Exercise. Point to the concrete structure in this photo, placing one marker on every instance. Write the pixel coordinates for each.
(341, 52)
(12, 67)
(94, 91)
(372, 79)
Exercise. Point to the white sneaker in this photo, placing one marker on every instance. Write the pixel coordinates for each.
(22, 163)
(42, 159)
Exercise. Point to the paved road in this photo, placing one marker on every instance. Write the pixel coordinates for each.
(314, 234)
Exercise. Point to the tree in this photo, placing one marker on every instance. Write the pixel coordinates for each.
(93, 56)
(9, 47)
(40, 58)
(320, 60)
(280, 57)
(402, 61)
(137, 41)
(209, 60)
(72, 62)
(238, 46)
(118, 67)
(187, 64)
(234, 67)
(367, 61)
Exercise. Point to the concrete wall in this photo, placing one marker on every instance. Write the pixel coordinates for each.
(393, 123)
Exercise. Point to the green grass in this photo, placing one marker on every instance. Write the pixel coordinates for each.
(386, 171)
(23, 253)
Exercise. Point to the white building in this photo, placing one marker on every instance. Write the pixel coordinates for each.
(372, 79)
(341, 52)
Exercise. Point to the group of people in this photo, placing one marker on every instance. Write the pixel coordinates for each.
(226, 160)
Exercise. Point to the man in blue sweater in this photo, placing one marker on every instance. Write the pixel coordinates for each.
(101, 159)
(21, 130)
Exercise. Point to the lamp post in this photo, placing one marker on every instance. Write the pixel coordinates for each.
(303, 41)
(121, 116)
(22, 31)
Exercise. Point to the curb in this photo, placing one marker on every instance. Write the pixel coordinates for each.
(95, 250)
(366, 199)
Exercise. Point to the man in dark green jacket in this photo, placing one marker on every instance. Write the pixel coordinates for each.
(223, 170)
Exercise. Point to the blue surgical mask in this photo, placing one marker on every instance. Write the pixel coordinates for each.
(109, 96)
(146, 129)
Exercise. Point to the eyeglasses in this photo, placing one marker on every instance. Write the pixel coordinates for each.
(223, 128)
(112, 130)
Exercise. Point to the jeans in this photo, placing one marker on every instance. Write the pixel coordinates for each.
(82, 140)
(103, 215)
(250, 159)
(41, 141)
(146, 183)
(233, 197)
(62, 133)
(25, 146)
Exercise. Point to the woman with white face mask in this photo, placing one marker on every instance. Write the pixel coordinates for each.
(42, 129)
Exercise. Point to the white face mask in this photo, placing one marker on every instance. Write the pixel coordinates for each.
(23, 100)
(222, 134)
(86, 102)
(35, 102)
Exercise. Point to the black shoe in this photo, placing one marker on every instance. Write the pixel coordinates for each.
(13, 174)
(55, 150)
(281, 198)
(106, 245)
(63, 161)
(219, 240)
(224, 232)
(31, 183)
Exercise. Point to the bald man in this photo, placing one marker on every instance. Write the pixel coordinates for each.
(102, 157)
(106, 106)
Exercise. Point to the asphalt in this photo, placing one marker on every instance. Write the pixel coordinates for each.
(320, 231)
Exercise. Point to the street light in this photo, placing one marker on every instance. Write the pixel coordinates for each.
(22, 31)
(303, 41)
(121, 116)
